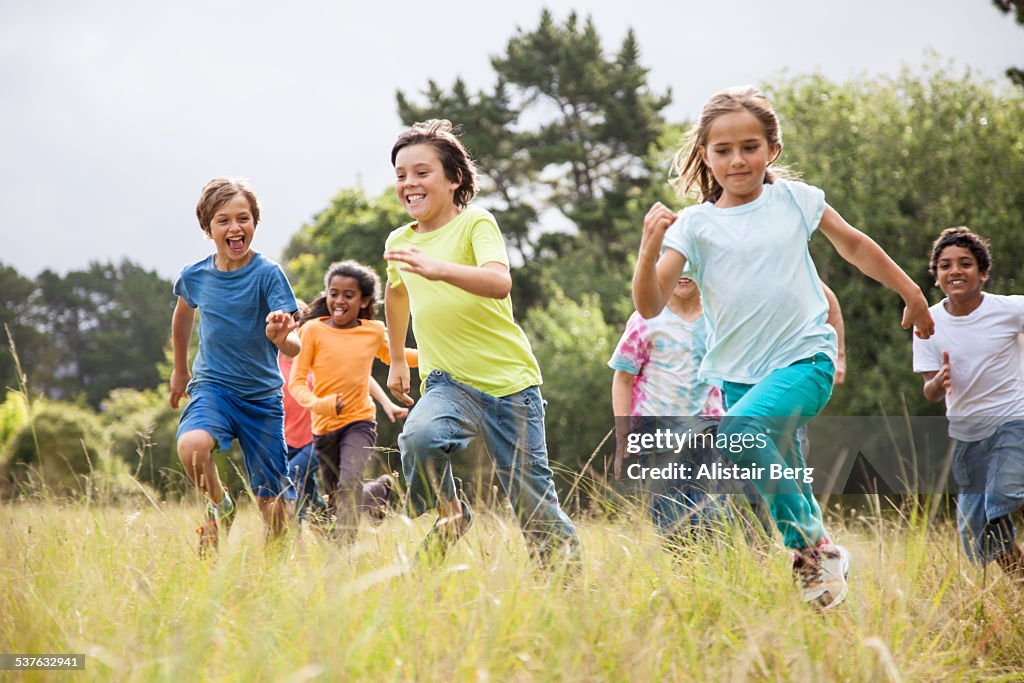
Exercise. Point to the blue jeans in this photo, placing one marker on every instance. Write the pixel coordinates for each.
(302, 468)
(778, 406)
(990, 478)
(449, 416)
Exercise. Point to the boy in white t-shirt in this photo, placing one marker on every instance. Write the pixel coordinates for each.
(973, 362)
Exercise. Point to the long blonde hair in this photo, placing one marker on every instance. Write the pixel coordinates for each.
(689, 169)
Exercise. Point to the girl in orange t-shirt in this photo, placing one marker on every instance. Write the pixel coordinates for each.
(340, 339)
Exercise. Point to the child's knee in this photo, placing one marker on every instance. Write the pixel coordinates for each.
(195, 447)
(425, 441)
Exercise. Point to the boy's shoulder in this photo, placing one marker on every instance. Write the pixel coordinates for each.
(467, 218)
(205, 263)
(398, 232)
(473, 214)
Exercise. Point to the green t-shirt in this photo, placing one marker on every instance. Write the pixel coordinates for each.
(474, 339)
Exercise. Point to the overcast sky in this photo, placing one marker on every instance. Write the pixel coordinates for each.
(114, 114)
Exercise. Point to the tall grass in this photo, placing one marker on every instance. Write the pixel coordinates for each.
(125, 586)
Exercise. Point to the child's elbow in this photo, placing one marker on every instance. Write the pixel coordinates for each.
(646, 309)
(503, 286)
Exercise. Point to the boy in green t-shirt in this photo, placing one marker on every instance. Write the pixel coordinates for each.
(449, 268)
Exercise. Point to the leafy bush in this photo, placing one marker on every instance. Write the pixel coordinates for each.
(142, 431)
(573, 344)
(59, 447)
(13, 416)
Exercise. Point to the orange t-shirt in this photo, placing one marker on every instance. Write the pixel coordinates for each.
(341, 361)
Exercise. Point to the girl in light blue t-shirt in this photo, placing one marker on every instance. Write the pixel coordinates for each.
(746, 242)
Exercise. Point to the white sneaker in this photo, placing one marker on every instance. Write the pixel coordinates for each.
(822, 573)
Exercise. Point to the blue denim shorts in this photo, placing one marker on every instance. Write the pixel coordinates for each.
(259, 428)
(990, 478)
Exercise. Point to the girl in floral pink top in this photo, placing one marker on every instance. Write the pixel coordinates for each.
(656, 388)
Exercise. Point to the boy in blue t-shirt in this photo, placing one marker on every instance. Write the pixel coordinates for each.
(247, 310)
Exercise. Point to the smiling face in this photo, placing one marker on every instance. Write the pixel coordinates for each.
(685, 289)
(231, 229)
(422, 187)
(957, 274)
(738, 154)
(345, 301)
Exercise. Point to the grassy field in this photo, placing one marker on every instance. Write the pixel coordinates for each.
(124, 585)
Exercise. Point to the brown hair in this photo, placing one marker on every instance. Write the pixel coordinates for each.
(688, 166)
(457, 164)
(961, 237)
(219, 192)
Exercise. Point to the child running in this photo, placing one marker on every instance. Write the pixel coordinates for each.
(449, 269)
(656, 386)
(340, 339)
(974, 363)
(770, 346)
(303, 464)
(235, 387)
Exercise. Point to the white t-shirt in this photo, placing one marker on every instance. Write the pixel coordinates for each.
(986, 380)
(760, 289)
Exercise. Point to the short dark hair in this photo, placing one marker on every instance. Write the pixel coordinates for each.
(219, 192)
(961, 237)
(458, 165)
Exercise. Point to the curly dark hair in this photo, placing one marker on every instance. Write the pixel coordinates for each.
(961, 237)
(369, 288)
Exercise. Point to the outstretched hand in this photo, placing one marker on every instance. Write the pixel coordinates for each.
(279, 324)
(417, 262)
(394, 411)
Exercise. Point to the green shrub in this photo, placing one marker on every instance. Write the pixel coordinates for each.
(13, 416)
(65, 446)
(142, 431)
(573, 344)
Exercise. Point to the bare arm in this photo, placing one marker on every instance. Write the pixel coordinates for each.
(622, 398)
(864, 253)
(656, 272)
(491, 279)
(182, 322)
(298, 387)
(390, 409)
(835, 319)
(937, 384)
(281, 331)
(396, 316)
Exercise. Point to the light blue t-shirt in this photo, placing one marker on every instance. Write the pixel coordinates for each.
(234, 352)
(761, 293)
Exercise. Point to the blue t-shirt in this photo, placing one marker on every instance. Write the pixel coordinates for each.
(761, 292)
(234, 352)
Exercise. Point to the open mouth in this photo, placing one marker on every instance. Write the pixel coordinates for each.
(236, 244)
